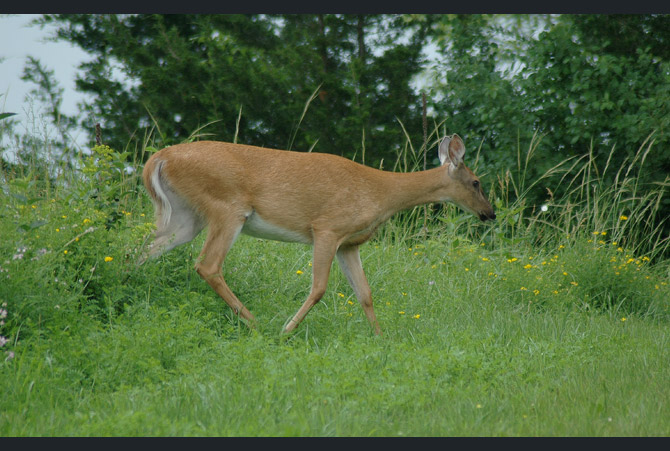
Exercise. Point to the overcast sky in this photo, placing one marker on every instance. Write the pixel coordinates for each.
(18, 40)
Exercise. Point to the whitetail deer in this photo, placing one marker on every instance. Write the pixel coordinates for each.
(325, 200)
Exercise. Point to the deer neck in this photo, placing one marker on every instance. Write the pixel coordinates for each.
(406, 190)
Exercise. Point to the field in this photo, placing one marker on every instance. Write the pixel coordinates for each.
(548, 322)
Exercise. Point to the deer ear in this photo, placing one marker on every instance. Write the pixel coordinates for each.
(451, 150)
(443, 150)
(456, 150)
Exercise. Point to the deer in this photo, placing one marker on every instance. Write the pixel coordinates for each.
(325, 200)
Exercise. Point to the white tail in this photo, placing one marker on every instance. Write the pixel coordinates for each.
(320, 199)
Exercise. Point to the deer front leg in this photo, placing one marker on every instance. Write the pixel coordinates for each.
(324, 252)
(349, 259)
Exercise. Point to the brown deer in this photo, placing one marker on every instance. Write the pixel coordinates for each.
(325, 200)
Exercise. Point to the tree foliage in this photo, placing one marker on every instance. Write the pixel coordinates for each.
(567, 85)
(188, 71)
(581, 83)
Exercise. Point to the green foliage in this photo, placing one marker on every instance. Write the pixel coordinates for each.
(613, 280)
(574, 81)
(193, 70)
(504, 325)
(565, 85)
(104, 179)
(6, 115)
(546, 322)
(49, 94)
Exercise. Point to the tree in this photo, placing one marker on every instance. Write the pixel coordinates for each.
(582, 83)
(188, 71)
(474, 89)
(588, 86)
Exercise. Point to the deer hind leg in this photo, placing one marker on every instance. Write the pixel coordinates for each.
(324, 252)
(220, 238)
(349, 259)
(176, 222)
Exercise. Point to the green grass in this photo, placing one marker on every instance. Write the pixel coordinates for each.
(488, 330)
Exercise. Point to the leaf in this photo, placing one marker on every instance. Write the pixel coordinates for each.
(20, 197)
(6, 115)
(38, 223)
(32, 226)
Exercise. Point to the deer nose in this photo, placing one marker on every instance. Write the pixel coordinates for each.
(486, 216)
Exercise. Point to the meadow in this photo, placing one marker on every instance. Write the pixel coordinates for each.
(551, 321)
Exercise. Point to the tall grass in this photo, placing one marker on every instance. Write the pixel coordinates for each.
(589, 199)
(583, 198)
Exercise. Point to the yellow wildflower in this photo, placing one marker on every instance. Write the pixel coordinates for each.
(109, 259)
(298, 272)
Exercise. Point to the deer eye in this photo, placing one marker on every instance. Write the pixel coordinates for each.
(476, 184)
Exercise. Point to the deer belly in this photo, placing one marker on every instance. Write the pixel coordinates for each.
(260, 228)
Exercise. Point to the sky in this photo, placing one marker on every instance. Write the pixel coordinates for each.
(18, 40)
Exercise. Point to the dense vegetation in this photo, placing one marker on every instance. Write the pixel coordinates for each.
(548, 322)
(580, 81)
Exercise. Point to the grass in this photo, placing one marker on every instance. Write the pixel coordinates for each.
(553, 325)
